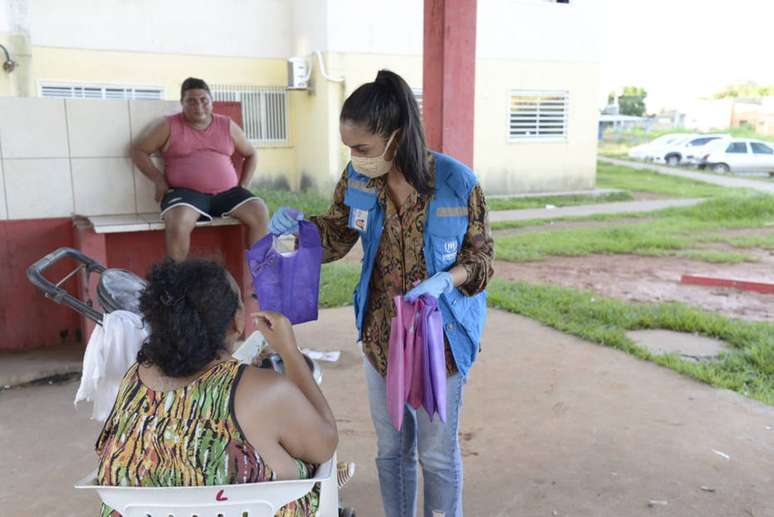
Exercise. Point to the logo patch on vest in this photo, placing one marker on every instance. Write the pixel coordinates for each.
(449, 251)
(358, 219)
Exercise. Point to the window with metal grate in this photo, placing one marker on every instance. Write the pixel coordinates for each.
(264, 110)
(538, 115)
(97, 91)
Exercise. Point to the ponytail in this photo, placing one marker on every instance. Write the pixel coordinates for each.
(386, 105)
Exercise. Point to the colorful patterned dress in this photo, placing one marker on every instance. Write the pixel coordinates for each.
(185, 437)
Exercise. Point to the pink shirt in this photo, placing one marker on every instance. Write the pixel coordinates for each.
(200, 159)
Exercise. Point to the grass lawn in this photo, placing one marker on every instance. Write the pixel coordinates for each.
(518, 203)
(310, 201)
(749, 369)
(625, 178)
(337, 283)
(672, 231)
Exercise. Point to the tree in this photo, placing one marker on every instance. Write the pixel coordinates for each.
(749, 89)
(632, 101)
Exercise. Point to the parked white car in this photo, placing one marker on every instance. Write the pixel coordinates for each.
(685, 152)
(648, 150)
(739, 155)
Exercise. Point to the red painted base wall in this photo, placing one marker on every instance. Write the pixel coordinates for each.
(27, 319)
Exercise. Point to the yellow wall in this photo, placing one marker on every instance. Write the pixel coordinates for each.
(533, 166)
(165, 70)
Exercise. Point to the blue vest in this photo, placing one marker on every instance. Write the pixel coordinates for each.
(445, 228)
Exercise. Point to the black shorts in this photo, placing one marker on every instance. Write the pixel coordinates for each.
(208, 205)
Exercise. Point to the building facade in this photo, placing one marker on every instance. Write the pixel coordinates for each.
(536, 77)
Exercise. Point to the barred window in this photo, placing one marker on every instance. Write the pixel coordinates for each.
(264, 110)
(538, 115)
(97, 91)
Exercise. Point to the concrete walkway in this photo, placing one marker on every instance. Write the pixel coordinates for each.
(586, 210)
(23, 366)
(723, 181)
(552, 426)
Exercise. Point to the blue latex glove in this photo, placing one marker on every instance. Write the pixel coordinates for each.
(285, 220)
(435, 286)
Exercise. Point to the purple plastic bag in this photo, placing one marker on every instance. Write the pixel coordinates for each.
(435, 361)
(289, 283)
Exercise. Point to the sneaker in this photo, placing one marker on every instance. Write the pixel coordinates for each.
(344, 472)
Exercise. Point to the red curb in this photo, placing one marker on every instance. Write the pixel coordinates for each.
(742, 285)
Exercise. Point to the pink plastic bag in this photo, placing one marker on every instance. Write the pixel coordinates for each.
(416, 366)
(396, 366)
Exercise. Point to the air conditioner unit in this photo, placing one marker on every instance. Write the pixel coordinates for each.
(298, 73)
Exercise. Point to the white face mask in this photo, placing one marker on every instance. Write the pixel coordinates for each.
(374, 166)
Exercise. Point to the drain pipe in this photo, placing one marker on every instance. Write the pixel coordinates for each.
(323, 71)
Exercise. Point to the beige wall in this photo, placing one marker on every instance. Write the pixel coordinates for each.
(321, 156)
(534, 166)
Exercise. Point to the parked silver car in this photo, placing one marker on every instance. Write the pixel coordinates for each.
(739, 155)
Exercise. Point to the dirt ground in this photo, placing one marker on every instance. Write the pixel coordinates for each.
(552, 426)
(653, 279)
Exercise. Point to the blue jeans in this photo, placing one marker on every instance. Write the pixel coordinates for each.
(438, 446)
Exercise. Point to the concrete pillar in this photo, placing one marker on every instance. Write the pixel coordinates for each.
(449, 73)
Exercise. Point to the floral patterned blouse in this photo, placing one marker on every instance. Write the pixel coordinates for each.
(400, 261)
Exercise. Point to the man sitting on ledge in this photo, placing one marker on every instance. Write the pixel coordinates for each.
(199, 181)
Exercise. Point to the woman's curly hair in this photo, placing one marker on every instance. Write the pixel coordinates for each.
(189, 306)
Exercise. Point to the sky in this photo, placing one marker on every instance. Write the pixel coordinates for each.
(680, 50)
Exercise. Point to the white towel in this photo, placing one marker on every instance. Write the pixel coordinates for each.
(112, 349)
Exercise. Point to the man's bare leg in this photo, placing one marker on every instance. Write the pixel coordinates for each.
(180, 222)
(255, 215)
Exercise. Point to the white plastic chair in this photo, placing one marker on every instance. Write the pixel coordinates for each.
(247, 500)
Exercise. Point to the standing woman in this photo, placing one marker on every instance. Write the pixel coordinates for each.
(423, 221)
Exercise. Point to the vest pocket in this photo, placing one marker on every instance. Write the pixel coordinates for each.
(446, 236)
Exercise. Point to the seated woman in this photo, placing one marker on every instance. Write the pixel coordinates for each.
(188, 414)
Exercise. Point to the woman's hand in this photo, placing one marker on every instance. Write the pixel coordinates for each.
(435, 286)
(285, 220)
(277, 330)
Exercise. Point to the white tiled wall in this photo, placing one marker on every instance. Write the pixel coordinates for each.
(103, 186)
(98, 129)
(63, 157)
(38, 188)
(33, 127)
